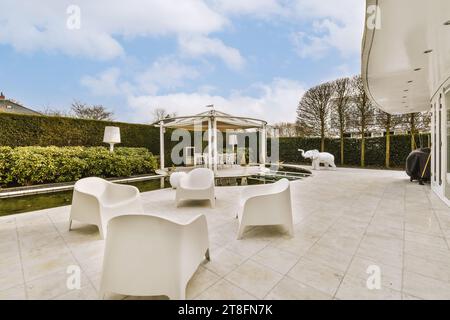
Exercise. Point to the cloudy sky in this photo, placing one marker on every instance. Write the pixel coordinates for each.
(247, 57)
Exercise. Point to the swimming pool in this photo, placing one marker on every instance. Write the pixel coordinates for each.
(20, 204)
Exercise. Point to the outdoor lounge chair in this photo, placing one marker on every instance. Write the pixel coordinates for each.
(96, 200)
(268, 204)
(198, 184)
(152, 256)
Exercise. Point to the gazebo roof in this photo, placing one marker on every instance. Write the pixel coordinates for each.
(224, 121)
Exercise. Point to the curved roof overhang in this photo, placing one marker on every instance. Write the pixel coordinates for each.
(399, 76)
(200, 122)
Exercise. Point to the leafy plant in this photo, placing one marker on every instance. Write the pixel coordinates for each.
(35, 165)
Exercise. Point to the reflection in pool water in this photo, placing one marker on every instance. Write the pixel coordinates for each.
(35, 202)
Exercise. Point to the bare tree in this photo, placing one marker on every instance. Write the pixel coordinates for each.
(361, 113)
(286, 129)
(95, 112)
(48, 111)
(416, 123)
(314, 109)
(160, 114)
(340, 112)
(388, 122)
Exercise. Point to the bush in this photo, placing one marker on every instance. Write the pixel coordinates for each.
(18, 130)
(35, 165)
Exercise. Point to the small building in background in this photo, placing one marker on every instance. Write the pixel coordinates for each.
(12, 106)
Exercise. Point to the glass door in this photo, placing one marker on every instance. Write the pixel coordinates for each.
(439, 146)
(434, 114)
(447, 147)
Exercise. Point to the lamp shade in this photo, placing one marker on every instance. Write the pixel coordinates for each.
(112, 135)
(232, 139)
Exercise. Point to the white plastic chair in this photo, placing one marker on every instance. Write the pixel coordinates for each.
(198, 159)
(152, 256)
(268, 204)
(198, 184)
(231, 159)
(96, 200)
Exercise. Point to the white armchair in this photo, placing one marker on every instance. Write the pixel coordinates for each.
(198, 184)
(268, 204)
(151, 256)
(96, 200)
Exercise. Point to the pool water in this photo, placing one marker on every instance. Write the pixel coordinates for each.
(35, 202)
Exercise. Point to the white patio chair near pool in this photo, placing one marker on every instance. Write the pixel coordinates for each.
(152, 256)
(198, 184)
(268, 204)
(96, 200)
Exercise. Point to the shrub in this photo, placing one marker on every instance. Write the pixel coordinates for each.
(18, 130)
(5, 165)
(35, 165)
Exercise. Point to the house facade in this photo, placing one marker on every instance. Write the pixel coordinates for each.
(406, 68)
(11, 106)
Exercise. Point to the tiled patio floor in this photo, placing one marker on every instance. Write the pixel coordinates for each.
(345, 221)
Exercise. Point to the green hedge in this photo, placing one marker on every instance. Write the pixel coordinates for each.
(35, 130)
(36, 165)
(375, 150)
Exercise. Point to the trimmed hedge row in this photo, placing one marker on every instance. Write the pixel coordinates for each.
(35, 130)
(36, 165)
(31, 130)
(375, 150)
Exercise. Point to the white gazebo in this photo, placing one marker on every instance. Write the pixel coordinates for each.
(213, 121)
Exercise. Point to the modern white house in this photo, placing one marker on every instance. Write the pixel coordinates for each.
(406, 68)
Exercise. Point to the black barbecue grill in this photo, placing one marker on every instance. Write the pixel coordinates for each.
(418, 165)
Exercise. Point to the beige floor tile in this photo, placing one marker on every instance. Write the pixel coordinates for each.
(391, 277)
(433, 269)
(356, 289)
(331, 257)
(50, 286)
(425, 287)
(279, 260)
(41, 266)
(247, 247)
(201, 280)
(223, 261)
(317, 275)
(254, 278)
(224, 290)
(381, 256)
(298, 245)
(428, 252)
(14, 293)
(290, 289)
(85, 293)
(426, 239)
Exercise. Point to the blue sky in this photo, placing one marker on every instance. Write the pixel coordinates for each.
(248, 57)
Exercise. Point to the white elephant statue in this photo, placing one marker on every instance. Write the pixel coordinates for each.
(319, 157)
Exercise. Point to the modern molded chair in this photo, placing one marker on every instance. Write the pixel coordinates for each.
(268, 204)
(152, 256)
(96, 200)
(198, 184)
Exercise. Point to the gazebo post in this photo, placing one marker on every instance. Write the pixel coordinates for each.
(215, 154)
(263, 144)
(209, 144)
(161, 144)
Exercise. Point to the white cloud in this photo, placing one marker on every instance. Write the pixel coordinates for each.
(258, 8)
(276, 102)
(198, 46)
(105, 83)
(167, 73)
(336, 24)
(31, 27)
